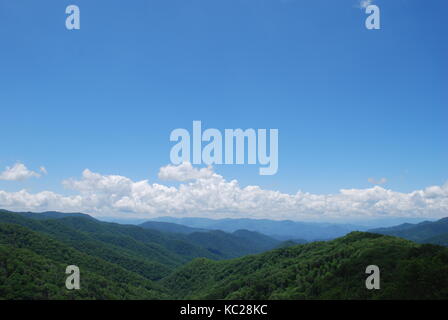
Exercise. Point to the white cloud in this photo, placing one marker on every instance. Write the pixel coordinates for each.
(208, 194)
(365, 3)
(379, 181)
(43, 170)
(184, 172)
(18, 172)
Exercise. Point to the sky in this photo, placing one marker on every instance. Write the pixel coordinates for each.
(86, 115)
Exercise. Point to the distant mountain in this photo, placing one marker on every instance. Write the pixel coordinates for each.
(120, 220)
(263, 242)
(50, 215)
(170, 227)
(233, 245)
(280, 230)
(390, 221)
(223, 244)
(441, 240)
(425, 232)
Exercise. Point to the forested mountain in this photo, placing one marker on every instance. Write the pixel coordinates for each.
(129, 262)
(150, 253)
(320, 270)
(441, 240)
(235, 244)
(425, 232)
(232, 245)
(223, 244)
(49, 215)
(170, 227)
(32, 266)
(280, 230)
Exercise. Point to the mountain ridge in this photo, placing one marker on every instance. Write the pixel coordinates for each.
(129, 262)
(278, 229)
(435, 232)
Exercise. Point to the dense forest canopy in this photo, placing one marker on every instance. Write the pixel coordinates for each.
(131, 262)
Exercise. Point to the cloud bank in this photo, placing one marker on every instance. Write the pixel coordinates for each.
(202, 192)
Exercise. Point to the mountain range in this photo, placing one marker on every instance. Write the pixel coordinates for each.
(142, 262)
(280, 230)
(435, 232)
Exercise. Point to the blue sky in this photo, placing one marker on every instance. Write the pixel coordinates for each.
(349, 103)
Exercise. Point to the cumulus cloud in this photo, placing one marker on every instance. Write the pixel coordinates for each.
(202, 192)
(184, 172)
(19, 172)
(377, 181)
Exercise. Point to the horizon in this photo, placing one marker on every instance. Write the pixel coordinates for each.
(366, 223)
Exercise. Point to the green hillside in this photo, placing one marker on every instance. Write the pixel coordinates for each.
(152, 253)
(233, 245)
(32, 266)
(320, 270)
(129, 262)
(148, 253)
(222, 244)
(441, 240)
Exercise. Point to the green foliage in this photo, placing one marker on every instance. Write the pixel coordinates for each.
(149, 253)
(320, 270)
(32, 266)
(232, 245)
(129, 262)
